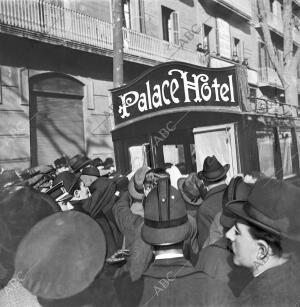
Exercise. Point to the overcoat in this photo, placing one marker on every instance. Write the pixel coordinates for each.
(211, 205)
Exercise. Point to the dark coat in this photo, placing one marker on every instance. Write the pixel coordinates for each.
(211, 205)
(174, 282)
(130, 225)
(277, 286)
(217, 262)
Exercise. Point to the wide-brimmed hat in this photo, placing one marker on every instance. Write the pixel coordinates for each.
(61, 255)
(165, 216)
(237, 190)
(135, 186)
(190, 188)
(272, 205)
(213, 170)
(21, 209)
(78, 162)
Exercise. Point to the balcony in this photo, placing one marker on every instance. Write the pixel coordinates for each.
(268, 77)
(48, 23)
(276, 25)
(271, 107)
(240, 7)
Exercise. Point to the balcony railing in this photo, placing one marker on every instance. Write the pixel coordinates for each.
(271, 107)
(41, 20)
(268, 76)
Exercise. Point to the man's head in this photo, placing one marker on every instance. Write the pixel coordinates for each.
(72, 185)
(213, 171)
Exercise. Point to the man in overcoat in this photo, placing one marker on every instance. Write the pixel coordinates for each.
(214, 175)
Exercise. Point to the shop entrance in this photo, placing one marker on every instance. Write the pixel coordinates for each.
(219, 141)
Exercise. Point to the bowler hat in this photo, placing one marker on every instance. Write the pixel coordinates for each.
(272, 205)
(213, 170)
(190, 189)
(61, 255)
(78, 162)
(135, 186)
(165, 216)
(237, 190)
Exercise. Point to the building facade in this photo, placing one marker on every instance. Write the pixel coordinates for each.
(56, 61)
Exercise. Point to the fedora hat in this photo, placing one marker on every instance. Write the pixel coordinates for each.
(78, 162)
(165, 216)
(61, 255)
(213, 170)
(237, 190)
(272, 205)
(135, 186)
(97, 162)
(91, 171)
(190, 189)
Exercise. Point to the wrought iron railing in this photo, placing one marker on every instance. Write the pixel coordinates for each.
(271, 107)
(58, 23)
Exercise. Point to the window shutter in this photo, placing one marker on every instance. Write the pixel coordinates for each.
(224, 38)
(142, 16)
(174, 27)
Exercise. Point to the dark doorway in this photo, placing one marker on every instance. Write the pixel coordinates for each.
(56, 118)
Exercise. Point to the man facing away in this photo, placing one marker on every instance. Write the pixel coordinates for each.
(214, 175)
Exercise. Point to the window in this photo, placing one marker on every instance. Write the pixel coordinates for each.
(264, 59)
(265, 144)
(126, 19)
(285, 141)
(206, 37)
(252, 97)
(298, 143)
(272, 3)
(174, 154)
(236, 50)
(170, 25)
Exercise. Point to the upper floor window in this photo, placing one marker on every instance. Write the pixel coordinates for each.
(170, 25)
(127, 17)
(272, 3)
(236, 50)
(206, 37)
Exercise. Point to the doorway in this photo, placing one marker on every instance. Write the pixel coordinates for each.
(56, 118)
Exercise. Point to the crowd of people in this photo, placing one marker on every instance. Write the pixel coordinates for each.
(80, 234)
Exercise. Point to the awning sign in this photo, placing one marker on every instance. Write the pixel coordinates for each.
(174, 85)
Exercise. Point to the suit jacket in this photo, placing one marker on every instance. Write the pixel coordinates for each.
(211, 205)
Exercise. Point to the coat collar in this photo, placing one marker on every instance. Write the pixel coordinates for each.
(215, 190)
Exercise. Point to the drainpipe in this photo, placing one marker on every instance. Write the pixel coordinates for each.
(118, 42)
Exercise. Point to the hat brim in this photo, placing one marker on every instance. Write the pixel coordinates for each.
(50, 272)
(165, 236)
(205, 176)
(238, 208)
(132, 191)
(184, 196)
